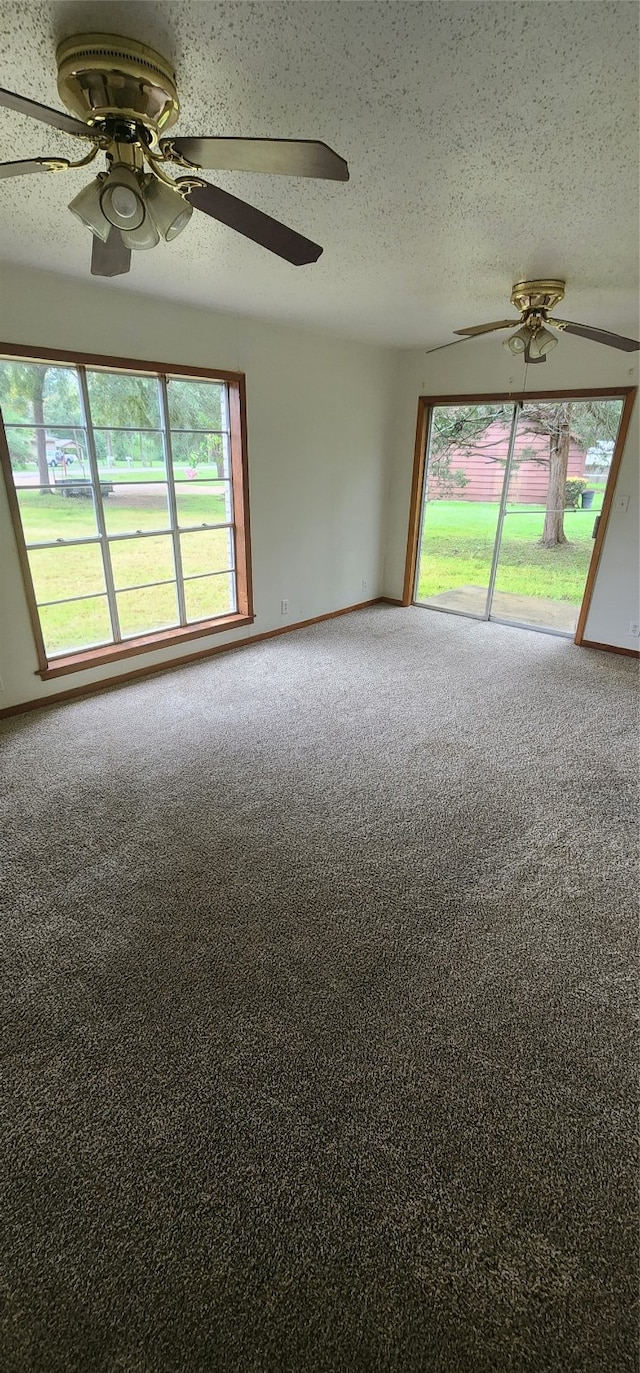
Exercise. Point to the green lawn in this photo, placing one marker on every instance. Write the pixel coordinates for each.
(457, 548)
(456, 551)
(73, 569)
(120, 472)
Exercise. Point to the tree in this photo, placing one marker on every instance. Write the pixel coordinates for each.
(123, 408)
(132, 402)
(455, 428)
(554, 420)
(461, 428)
(22, 388)
(586, 422)
(197, 405)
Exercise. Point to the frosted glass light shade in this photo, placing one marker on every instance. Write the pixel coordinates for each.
(121, 199)
(86, 205)
(542, 343)
(170, 211)
(145, 236)
(518, 342)
(535, 345)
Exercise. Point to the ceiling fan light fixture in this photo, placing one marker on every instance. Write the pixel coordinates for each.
(168, 208)
(145, 236)
(518, 342)
(124, 96)
(121, 198)
(542, 342)
(86, 205)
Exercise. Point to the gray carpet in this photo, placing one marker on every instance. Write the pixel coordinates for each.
(318, 1037)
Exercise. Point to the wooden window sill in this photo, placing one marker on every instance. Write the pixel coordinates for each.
(147, 643)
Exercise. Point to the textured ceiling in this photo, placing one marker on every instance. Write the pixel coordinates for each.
(487, 142)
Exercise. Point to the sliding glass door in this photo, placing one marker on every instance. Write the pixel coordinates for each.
(467, 446)
(511, 498)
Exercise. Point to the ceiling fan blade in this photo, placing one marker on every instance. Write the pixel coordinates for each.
(56, 118)
(440, 346)
(278, 156)
(34, 164)
(488, 328)
(253, 224)
(627, 345)
(110, 259)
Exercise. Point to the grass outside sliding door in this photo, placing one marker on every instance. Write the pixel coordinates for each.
(455, 551)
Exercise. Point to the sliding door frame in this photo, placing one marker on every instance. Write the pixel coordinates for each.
(426, 406)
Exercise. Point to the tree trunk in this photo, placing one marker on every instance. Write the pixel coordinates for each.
(41, 438)
(553, 533)
(217, 457)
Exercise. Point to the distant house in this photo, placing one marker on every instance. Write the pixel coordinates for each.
(484, 465)
(60, 451)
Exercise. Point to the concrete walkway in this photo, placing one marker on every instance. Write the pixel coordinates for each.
(532, 610)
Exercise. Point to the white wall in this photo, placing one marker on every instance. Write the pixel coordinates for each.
(482, 366)
(331, 427)
(317, 428)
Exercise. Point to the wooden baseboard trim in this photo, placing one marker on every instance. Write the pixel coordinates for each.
(391, 600)
(610, 648)
(108, 683)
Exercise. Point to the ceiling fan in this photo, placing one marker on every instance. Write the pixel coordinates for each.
(533, 341)
(122, 97)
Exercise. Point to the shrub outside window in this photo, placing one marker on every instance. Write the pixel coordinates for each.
(128, 488)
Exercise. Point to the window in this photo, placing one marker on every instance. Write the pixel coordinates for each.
(129, 495)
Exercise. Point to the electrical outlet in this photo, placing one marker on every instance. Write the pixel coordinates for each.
(364, 584)
(284, 607)
(634, 628)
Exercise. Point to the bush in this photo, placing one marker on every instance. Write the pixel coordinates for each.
(573, 488)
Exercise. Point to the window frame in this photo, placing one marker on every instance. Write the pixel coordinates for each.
(80, 660)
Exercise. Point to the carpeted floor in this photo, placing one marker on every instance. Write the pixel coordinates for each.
(318, 1032)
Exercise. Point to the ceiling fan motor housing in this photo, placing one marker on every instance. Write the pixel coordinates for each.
(530, 296)
(102, 78)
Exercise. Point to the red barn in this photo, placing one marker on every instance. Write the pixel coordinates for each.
(484, 465)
